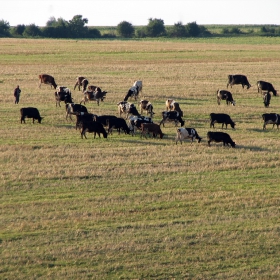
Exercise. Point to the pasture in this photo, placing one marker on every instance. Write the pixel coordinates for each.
(129, 207)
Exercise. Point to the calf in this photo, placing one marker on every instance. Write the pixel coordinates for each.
(47, 79)
(151, 127)
(266, 99)
(93, 127)
(73, 109)
(132, 92)
(172, 116)
(220, 137)
(82, 117)
(119, 124)
(136, 121)
(147, 106)
(31, 113)
(225, 95)
(104, 119)
(221, 118)
(237, 80)
(184, 133)
(81, 82)
(63, 94)
(172, 105)
(271, 118)
(265, 86)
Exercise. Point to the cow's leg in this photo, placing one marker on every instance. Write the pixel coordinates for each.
(209, 142)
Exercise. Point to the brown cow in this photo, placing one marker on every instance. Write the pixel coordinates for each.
(151, 127)
(48, 80)
(81, 82)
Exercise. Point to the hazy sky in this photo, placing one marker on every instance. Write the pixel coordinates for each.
(138, 12)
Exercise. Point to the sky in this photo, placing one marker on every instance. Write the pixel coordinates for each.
(138, 12)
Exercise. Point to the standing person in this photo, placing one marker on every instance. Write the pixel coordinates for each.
(17, 92)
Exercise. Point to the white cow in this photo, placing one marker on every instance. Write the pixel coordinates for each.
(184, 133)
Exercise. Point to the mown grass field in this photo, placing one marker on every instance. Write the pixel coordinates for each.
(133, 208)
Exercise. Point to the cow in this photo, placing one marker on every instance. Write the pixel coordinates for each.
(265, 86)
(136, 121)
(82, 117)
(172, 116)
(72, 108)
(221, 118)
(127, 108)
(96, 95)
(225, 95)
(237, 80)
(147, 106)
(151, 127)
(172, 105)
(220, 137)
(271, 118)
(119, 124)
(138, 84)
(30, 112)
(81, 82)
(184, 133)
(47, 79)
(104, 119)
(266, 99)
(132, 92)
(63, 94)
(93, 127)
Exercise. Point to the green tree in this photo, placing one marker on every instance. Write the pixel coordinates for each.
(178, 30)
(18, 30)
(4, 28)
(193, 29)
(77, 27)
(32, 30)
(155, 28)
(125, 29)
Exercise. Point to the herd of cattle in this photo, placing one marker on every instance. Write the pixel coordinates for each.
(133, 120)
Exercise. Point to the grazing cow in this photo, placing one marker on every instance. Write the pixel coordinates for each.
(72, 108)
(81, 82)
(220, 137)
(63, 94)
(93, 127)
(184, 133)
(266, 99)
(127, 108)
(47, 79)
(172, 116)
(237, 80)
(104, 119)
(172, 105)
(147, 106)
(151, 127)
(138, 84)
(82, 117)
(136, 121)
(271, 118)
(225, 95)
(96, 95)
(221, 118)
(132, 92)
(265, 86)
(119, 124)
(31, 113)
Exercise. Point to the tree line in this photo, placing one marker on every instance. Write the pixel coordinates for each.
(76, 28)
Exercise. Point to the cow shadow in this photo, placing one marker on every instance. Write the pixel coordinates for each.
(252, 148)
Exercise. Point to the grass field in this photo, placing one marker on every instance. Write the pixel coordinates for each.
(129, 207)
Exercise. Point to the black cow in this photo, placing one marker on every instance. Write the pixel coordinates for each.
(132, 92)
(225, 95)
(72, 108)
(63, 94)
(271, 118)
(171, 116)
(220, 137)
(265, 86)
(136, 121)
(237, 80)
(104, 119)
(82, 117)
(31, 113)
(221, 118)
(119, 124)
(266, 99)
(93, 127)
